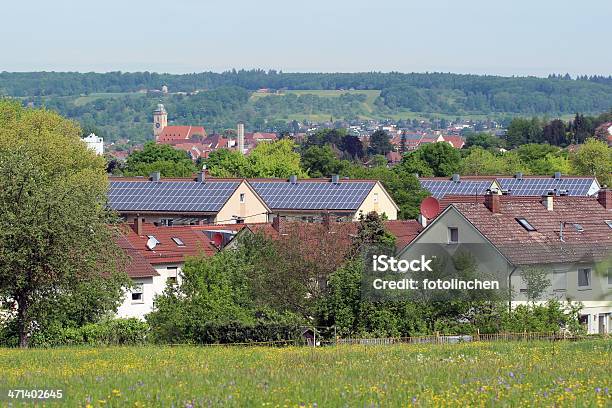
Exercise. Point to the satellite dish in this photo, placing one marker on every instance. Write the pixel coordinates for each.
(218, 239)
(430, 207)
(151, 243)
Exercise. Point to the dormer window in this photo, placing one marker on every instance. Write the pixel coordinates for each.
(525, 224)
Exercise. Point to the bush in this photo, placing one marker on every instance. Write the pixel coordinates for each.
(104, 333)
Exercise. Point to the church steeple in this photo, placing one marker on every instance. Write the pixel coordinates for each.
(160, 120)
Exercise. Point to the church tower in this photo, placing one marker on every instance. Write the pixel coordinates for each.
(160, 120)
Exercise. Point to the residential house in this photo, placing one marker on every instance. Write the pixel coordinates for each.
(568, 237)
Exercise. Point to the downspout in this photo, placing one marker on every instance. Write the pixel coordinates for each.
(510, 290)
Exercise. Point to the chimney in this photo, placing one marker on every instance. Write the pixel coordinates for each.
(278, 224)
(201, 176)
(493, 202)
(155, 176)
(335, 178)
(327, 220)
(548, 201)
(605, 198)
(138, 225)
(518, 176)
(293, 179)
(557, 175)
(422, 220)
(456, 178)
(240, 137)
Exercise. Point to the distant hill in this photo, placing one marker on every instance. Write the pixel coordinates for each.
(119, 102)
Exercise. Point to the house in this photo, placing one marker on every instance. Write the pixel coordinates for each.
(186, 201)
(156, 256)
(517, 185)
(568, 237)
(171, 134)
(205, 200)
(306, 199)
(94, 143)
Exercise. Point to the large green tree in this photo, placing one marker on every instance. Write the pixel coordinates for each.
(58, 256)
(594, 158)
(162, 158)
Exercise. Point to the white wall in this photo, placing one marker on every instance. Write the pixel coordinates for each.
(152, 286)
(95, 143)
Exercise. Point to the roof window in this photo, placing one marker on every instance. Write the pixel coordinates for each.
(525, 224)
(178, 241)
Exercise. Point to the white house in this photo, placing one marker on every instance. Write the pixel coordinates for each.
(95, 143)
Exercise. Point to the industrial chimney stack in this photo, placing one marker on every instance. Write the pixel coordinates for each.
(241, 138)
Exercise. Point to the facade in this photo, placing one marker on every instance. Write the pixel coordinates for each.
(94, 143)
(570, 238)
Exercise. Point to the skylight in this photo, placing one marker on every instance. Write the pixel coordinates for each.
(153, 238)
(609, 222)
(178, 241)
(578, 227)
(525, 224)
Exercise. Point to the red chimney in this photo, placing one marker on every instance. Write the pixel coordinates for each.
(605, 198)
(278, 224)
(493, 202)
(138, 225)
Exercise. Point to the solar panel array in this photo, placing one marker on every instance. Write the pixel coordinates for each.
(179, 196)
(540, 186)
(313, 195)
(441, 188)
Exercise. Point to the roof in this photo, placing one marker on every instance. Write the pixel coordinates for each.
(173, 133)
(544, 244)
(405, 231)
(313, 195)
(169, 195)
(441, 187)
(191, 242)
(137, 266)
(541, 185)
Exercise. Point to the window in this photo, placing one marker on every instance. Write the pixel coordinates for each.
(167, 222)
(525, 224)
(375, 197)
(242, 197)
(584, 277)
(453, 235)
(559, 280)
(609, 276)
(137, 293)
(239, 220)
(178, 241)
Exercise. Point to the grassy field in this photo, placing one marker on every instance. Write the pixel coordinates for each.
(82, 100)
(478, 374)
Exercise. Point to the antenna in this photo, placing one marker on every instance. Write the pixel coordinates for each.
(151, 243)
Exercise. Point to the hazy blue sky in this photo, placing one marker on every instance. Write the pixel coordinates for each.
(521, 37)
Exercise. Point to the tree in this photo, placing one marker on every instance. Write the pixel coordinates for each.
(321, 162)
(481, 162)
(165, 159)
(380, 143)
(522, 131)
(227, 163)
(443, 159)
(537, 281)
(555, 133)
(54, 237)
(484, 140)
(352, 146)
(594, 158)
(275, 159)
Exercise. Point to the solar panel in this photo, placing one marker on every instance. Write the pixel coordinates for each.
(540, 186)
(170, 196)
(313, 195)
(441, 188)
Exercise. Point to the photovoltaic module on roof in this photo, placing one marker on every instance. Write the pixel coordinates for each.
(313, 195)
(440, 188)
(180, 196)
(542, 186)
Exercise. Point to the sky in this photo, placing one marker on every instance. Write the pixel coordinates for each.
(499, 37)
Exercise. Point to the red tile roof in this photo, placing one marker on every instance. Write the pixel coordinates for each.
(136, 266)
(168, 251)
(544, 245)
(173, 133)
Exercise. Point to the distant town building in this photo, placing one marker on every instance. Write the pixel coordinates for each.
(160, 120)
(240, 135)
(95, 143)
(164, 89)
